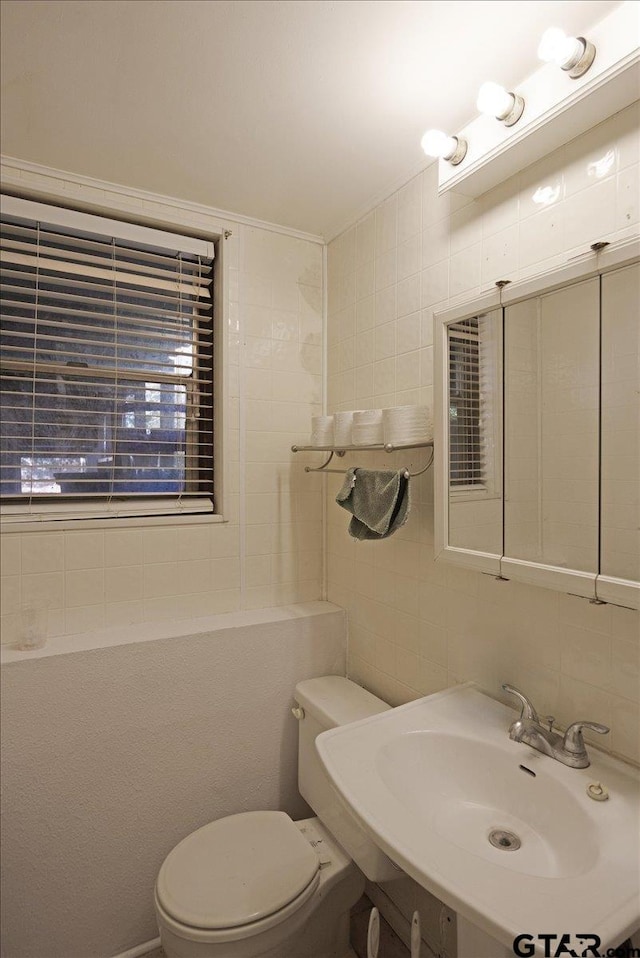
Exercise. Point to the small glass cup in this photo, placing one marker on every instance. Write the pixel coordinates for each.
(33, 628)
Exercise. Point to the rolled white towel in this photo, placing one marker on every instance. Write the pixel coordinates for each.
(367, 427)
(343, 427)
(322, 430)
(407, 424)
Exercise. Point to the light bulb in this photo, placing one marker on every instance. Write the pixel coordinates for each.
(438, 144)
(573, 54)
(557, 47)
(494, 100)
(550, 46)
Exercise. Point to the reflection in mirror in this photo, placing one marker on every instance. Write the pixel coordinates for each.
(474, 358)
(619, 545)
(552, 428)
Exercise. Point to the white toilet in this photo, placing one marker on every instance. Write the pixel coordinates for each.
(259, 885)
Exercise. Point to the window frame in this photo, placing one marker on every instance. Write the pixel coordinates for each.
(65, 514)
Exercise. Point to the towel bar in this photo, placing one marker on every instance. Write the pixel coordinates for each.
(389, 447)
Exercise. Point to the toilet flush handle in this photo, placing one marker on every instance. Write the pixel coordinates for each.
(298, 712)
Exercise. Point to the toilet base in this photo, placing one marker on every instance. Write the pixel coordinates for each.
(318, 929)
(314, 941)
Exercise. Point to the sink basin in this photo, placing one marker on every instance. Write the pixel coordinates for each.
(506, 836)
(476, 788)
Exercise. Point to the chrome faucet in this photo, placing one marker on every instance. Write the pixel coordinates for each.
(568, 748)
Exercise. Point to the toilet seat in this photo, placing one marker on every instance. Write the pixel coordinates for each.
(221, 878)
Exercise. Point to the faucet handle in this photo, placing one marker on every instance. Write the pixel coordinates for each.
(528, 711)
(573, 740)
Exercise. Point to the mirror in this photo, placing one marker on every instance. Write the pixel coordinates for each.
(475, 432)
(538, 429)
(620, 507)
(551, 467)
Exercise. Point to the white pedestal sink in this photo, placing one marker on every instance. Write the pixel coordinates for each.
(436, 781)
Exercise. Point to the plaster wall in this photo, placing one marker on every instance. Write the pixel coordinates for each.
(112, 756)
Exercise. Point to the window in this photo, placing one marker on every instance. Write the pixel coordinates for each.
(474, 416)
(106, 367)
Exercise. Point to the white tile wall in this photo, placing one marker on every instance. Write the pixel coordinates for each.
(270, 552)
(417, 626)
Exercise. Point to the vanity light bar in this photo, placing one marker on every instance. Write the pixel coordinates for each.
(574, 55)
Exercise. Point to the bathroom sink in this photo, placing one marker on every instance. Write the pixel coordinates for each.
(473, 787)
(503, 834)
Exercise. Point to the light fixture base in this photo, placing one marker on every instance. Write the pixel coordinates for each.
(515, 112)
(459, 153)
(579, 68)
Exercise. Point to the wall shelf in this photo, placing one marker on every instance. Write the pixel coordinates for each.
(376, 447)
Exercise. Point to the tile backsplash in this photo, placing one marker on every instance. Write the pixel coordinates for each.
(416, 626)
(269, 552)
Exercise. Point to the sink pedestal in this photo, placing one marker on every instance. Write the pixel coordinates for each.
(474, 943)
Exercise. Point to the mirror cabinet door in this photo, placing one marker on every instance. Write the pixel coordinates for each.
(474, 480)
(551, 398)
(620, 504)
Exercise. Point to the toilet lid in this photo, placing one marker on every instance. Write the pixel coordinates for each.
(236, 870)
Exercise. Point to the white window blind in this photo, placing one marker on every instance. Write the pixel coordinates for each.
(105, 367)
(474, 417)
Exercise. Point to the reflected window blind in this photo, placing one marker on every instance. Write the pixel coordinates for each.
(106, 367)
(472, 412)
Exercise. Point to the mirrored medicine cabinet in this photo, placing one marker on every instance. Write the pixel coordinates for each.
(537, 418)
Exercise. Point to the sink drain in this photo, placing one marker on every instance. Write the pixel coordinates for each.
(504, 840)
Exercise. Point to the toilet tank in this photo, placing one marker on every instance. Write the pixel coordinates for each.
(327, 702)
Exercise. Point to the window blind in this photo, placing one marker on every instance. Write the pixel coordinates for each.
(105, 367)
(473, 419)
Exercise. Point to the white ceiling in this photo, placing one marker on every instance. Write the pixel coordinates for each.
(298, 112)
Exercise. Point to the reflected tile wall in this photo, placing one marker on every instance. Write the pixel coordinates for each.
(416, 626)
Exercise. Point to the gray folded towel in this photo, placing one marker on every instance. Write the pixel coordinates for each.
(379, 502)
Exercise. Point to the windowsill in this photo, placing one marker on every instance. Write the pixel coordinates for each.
(152, 631)
(62, 525)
